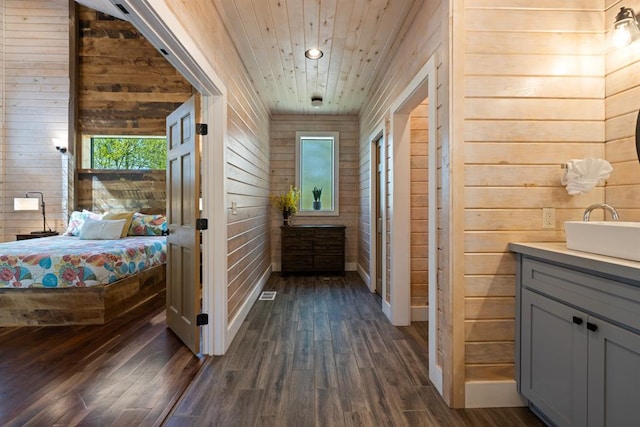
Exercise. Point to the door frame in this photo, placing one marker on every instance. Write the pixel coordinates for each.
(374, 198)
(423, 85)
(162, 29)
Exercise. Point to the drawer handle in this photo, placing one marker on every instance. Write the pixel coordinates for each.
(592, 326)
(577, 320)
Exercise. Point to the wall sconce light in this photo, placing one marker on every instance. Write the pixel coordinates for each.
(61, 149)
(28, 204)
(625, 29)
(316, 101)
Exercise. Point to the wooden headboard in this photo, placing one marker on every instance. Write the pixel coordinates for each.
(122, 191)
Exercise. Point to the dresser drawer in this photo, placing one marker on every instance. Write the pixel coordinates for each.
(297, 263)
(297, 233)
(334, 246)
(329, 234)
(292, 244)
(312, 249)
(328, 263)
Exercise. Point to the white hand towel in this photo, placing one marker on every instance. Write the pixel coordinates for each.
(582, 175)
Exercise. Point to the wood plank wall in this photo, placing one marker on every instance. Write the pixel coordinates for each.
(122, 191)
(35, 37)
(622, 88)
(125, 87)
(420, 206)
(248, 153)
(534, 99)
(283, 174)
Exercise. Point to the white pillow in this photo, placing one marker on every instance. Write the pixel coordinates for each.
(94, 229)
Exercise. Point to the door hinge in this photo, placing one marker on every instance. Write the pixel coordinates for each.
(122, 8)
(202, 319)
(202, 224)
(202, 129)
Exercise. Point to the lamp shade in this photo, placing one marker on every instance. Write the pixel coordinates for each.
(26, 204)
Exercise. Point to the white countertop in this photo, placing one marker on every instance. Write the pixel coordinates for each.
(557, 252)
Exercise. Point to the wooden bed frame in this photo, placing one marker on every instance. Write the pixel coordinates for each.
(95, 305)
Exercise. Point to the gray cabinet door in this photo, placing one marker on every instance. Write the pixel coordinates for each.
(614, 376)
(554, 359)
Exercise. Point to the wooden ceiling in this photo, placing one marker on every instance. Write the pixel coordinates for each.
(271, 36)
(356, 36)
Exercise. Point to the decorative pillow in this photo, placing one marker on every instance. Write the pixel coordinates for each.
(127, 216)
(148, 225)
(77, 219)
(99, 229)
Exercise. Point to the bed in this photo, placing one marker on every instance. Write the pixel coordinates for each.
(65, 280)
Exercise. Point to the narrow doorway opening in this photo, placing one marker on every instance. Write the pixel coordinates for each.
(414, 226)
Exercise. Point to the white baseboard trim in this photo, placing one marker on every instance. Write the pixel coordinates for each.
(419, 314)
(364, 276)
(493, 394)
(386, 309)
(236, 323)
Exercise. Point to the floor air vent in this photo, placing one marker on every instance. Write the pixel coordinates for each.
(268, 295)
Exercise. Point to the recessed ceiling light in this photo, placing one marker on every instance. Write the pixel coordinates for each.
(313, 53)
(316, 101)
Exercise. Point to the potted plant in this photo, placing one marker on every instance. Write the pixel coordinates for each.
(287, 203)
(317, 193)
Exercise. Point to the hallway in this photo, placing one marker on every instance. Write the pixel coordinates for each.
(323, 354)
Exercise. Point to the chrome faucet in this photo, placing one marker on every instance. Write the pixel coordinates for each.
(609, 208)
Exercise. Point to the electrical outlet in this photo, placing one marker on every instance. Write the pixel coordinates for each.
(548, 218)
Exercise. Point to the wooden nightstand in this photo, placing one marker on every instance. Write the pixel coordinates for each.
(36, 235)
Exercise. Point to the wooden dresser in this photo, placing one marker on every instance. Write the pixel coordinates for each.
(308, 249)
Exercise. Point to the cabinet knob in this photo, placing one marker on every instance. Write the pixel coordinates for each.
(592, 326)
(577, 320)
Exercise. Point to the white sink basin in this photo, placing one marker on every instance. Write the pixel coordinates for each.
(618, 239)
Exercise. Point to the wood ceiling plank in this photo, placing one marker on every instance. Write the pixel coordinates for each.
(344, 11)
(274, 81)
(280, 18)
(366, 48)
(295, 11)
(311, 40)
(343, 93)
(388, 25)
(326, 26)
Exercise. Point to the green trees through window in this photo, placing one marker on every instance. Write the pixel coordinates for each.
(113, 152)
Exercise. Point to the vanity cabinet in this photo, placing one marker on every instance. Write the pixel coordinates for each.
(578, 342)
(313, 249)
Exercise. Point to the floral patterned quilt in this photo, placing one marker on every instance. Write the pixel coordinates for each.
(67, 261)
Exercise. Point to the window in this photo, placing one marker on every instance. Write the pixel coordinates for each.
(317, 172)
(124, 152)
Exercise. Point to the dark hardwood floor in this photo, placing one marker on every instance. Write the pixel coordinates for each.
(320, 354)
(129, 372)
(323, 354)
